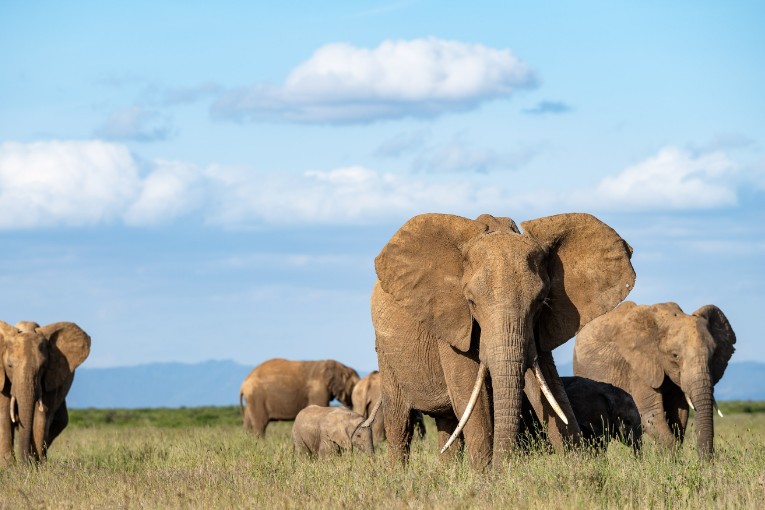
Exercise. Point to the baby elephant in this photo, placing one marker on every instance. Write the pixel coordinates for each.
(603, 412)
(325, 431)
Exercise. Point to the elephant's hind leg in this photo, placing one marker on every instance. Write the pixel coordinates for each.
(255, 416)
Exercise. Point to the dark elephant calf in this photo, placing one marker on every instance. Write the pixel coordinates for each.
(603, 412)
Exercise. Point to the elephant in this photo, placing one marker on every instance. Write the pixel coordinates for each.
(326, 431)
(37, 365)
(666, 359)
(278, 389)
(458, 298)
(603, 412)
(365, 396)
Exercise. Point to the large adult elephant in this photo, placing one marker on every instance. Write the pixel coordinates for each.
(666, 359)
(278, 389)
(457, 297)
(36, 371)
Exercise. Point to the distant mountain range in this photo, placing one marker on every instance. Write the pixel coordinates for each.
(216, 383)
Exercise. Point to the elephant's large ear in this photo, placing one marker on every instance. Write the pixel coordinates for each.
(69, 346)
(422, 266)
(6, 330)
(589, 269)
(724, 337)
(635, 333)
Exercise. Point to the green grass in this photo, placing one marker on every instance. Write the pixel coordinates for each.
(200, 458)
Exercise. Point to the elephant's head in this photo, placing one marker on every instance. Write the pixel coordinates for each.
(341, 380)
(360, 434)
(482, 285)
(37, 361)
(691, 350)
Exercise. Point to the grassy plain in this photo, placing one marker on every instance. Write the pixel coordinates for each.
(200, 458)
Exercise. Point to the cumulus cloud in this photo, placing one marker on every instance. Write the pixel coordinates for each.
(82, 183)
(64, 183)
(350, 195)
(134, 123)
(341, 83)
(673, 179)
(172, 189)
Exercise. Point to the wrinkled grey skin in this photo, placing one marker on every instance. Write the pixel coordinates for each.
(603, 413)
(327, 431)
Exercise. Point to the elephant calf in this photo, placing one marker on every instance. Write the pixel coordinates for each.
(325, 431)
(603, 412)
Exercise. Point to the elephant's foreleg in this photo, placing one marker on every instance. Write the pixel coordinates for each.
(558, 433)
(676, 408)
(445, 427)
(59, 423)
(6, 432)
(460, 372)
(396, 416)
(650, 403)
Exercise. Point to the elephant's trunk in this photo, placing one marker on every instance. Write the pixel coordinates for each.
(26, 410)
(506, 361)
(700, 391)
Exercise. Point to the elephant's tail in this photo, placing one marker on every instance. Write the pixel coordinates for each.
(241, 404)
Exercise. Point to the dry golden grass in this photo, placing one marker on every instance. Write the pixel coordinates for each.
(150, 465)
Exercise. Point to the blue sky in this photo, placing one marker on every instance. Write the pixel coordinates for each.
(198, 180)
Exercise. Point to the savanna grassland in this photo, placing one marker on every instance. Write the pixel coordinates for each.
(201, 458)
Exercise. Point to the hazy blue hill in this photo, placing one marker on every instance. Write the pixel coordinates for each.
(213, 383)
(158, 385)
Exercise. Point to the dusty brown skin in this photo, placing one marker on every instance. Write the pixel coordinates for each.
(454, 291)
(603, 412)
(366, 395)
(36, 371)
(326, 431)
(659, 355)
(278, 389)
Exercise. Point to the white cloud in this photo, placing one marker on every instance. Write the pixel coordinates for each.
(64, 183)
(169, 191)
(420, 77)
(349, 195)
(673, 179)
(79, 183)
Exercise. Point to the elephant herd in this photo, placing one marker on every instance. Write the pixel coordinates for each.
(466, 315)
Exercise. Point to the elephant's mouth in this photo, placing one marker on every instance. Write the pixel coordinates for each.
(477, 389)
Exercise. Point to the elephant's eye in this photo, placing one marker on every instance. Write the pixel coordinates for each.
(675, 356)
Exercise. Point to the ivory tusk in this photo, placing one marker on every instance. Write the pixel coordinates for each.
(688, 399)
(548, 394)
(12, 409)
(469, 409)
(40, 406)
(719, 413)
